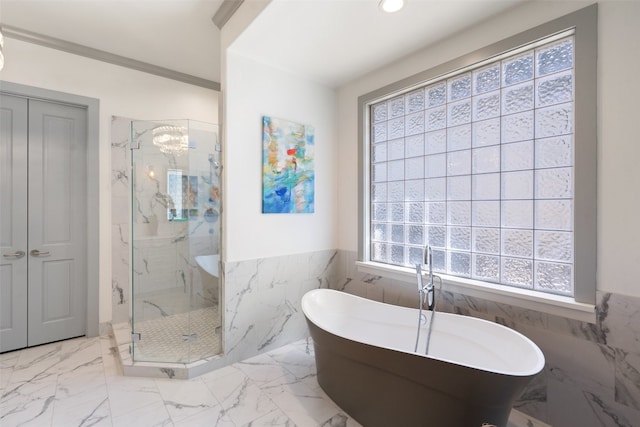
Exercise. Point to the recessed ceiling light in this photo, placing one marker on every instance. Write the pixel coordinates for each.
(391, 6)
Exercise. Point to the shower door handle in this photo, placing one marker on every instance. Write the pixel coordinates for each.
(36, 252)
(16, 254)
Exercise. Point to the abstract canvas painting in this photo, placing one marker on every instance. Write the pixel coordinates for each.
(287, 167)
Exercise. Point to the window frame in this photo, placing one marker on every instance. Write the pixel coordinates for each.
(584, 24)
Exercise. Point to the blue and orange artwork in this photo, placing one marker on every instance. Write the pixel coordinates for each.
(288, 176)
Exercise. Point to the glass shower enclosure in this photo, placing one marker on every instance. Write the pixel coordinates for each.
(175, 244)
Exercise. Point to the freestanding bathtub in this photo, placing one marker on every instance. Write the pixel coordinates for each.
(366, 363)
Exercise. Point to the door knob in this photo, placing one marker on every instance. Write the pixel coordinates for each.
(16, 254)
(36, 252)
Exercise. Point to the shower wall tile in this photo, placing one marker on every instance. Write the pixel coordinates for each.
(120, 210)
(120, 219)
(592, 374)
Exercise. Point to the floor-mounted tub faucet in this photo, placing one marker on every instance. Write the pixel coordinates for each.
(426, 294)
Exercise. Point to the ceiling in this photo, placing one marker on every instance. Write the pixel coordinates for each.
(328, 41)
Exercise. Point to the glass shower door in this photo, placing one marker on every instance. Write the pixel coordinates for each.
(174, 302)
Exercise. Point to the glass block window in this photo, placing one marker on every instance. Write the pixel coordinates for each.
(480, 166)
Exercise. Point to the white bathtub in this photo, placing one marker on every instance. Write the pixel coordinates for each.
(208, 267)
(473, 373)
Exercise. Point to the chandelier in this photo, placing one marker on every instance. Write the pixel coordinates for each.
(170, 139)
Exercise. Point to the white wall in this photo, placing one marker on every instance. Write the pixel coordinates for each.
(618, 149)
(251, 91)
(122, 92)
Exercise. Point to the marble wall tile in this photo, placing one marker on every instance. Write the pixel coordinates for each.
(517, 314)
(445, 301)
(401, 294)
(263, 309)
(352, 287)
(575, 328)
(619, 320)
(533, 400)
(574, 407)
(275, 272)
(324, 265)
(585, 365)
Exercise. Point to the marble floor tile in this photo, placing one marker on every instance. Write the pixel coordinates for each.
(242, 400)
(212, 417)
(90, 410)
(151, 415)
(127, 394)
(28, 403)
(262, 368)
(185, 398)
(276, 418)
(79, 383)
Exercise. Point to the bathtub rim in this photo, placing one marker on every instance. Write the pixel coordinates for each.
(539, 366)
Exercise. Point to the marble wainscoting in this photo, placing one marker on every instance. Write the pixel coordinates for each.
(262, 300)
(592, 372)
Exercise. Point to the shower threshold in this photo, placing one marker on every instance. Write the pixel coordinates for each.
(166, 340)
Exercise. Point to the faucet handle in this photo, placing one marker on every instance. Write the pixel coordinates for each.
(419, 276)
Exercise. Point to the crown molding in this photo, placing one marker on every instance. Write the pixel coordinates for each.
(101, 55)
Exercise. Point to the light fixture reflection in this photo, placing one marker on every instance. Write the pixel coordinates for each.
(170, 139)
(391, 6)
